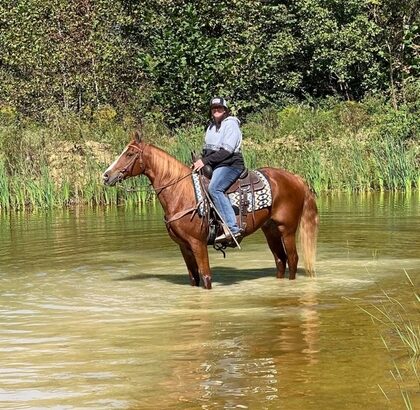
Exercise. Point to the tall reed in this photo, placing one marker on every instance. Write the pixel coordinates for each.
(5, 199)
(337, 146)
(340, 148)
(399, 329)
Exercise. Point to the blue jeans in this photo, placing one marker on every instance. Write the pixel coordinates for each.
(222, 179)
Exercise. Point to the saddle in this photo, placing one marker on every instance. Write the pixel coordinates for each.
(241, 194)
(247, 180)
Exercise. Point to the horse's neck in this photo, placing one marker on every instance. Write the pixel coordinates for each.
(162, 168)
(169, 177)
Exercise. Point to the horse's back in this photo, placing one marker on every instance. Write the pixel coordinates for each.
(285, 181)
(289, 192)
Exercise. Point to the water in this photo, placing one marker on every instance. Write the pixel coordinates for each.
(97, 313)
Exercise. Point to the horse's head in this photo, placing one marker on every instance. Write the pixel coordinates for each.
(128, 164)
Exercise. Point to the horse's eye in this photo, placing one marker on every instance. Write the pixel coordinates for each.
(130, 154)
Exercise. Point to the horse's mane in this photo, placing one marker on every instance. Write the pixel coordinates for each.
(168, 165)
(169, 169)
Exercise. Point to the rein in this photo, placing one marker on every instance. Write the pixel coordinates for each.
(158, 190)
(179, 214)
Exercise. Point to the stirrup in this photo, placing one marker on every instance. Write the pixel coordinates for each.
(227, 237)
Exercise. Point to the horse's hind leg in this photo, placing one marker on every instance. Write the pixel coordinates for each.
(275, 242)
(289, 241)
(192, 266)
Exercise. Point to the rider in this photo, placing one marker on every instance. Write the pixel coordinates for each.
(222, 151)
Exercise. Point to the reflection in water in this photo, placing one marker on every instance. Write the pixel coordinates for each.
(97, 313)
(256, 353)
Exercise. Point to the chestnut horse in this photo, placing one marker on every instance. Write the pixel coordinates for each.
(293, 204)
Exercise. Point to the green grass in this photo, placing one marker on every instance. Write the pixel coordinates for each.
(399, 329)
(346, 146)
(337, 146)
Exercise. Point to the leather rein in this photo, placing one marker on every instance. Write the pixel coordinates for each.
(158, 190)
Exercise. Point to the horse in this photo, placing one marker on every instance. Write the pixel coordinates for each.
(293, 206)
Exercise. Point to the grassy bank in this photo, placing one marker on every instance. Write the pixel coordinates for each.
(343, 146)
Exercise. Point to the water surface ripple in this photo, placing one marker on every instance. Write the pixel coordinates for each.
(97, 313)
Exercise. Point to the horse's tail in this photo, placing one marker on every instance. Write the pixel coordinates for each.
(309, 231)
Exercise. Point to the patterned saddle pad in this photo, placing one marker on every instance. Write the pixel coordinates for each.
(257, 194)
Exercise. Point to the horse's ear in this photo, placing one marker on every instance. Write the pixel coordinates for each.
(137, 135)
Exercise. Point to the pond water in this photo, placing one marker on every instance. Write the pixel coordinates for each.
(97, 313)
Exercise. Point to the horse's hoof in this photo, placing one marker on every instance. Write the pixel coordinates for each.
(207, 282)
(194, 279)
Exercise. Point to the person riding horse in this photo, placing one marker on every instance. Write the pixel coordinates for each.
(293, 207)
(222, 152)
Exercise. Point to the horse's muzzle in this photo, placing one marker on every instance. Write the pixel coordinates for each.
(111, 180)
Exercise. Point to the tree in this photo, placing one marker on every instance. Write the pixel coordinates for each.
(66, 55)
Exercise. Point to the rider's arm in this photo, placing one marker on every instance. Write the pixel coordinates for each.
(216, 157)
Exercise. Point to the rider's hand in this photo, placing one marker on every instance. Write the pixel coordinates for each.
(197, 165)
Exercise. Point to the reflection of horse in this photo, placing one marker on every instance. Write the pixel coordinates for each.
(293, 204)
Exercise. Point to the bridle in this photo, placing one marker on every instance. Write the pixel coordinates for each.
(158, 190)
(139, 155)
(129, 167)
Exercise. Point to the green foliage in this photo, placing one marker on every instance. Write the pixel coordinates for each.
(397, 44)
(193, 50)
(164, 59)
(338, 46)
(66, 55)
(8, 115)
(346, 146)
(342, 146)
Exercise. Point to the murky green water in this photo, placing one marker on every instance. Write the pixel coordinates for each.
(97, 313)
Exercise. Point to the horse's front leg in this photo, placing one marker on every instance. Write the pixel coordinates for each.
(192, 266)
(202, 259)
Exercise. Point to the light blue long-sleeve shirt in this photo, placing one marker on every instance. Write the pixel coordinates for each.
(228, 136)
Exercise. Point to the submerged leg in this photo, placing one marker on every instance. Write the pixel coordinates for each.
(191, 265)
(275, 242)
(202, 259)
(289, 241)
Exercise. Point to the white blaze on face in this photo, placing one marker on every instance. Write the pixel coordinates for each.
(109, 169)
